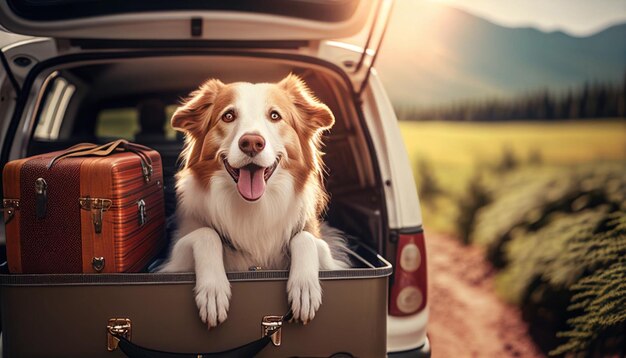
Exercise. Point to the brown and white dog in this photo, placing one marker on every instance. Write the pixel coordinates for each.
(251, 192)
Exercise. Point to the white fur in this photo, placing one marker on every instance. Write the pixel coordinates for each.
(303, 286)
(266, 233)
(252, 111)
(203, 248)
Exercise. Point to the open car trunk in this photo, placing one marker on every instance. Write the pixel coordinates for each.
(77, 95)
(105, 95)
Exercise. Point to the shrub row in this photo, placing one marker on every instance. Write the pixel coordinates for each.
(558, 237)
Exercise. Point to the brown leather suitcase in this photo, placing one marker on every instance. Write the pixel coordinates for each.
(87, 209)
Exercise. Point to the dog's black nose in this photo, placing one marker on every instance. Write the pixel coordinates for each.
(251, 144)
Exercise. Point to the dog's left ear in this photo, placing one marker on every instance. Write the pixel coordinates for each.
(316, 114)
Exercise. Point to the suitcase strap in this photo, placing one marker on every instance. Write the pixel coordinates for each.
(120, 145)
(133, 350)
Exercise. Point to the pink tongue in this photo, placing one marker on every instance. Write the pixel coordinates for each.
(251, 184)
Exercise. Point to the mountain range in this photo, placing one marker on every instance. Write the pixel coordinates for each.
(434, 54)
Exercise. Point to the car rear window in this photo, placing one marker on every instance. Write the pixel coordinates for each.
(118, 123)
(124, 123)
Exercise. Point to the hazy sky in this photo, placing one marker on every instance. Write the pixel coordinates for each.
(576, 17)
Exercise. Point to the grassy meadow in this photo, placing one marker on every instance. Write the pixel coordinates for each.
(456, 152)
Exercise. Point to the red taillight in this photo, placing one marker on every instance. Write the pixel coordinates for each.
(409, 290)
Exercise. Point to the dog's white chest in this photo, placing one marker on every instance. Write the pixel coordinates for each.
(258, 233)
(244, 261)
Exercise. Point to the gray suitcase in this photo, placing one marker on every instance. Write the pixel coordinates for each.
(80, 315)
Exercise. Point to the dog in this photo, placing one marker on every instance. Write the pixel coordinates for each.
(251, 192)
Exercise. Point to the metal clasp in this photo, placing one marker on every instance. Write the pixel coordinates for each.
(117, 327)
(146, 171)
(98, 206)
(271, 325)
(41, 195)
(98, 263)
(141, 208)
(9, 206)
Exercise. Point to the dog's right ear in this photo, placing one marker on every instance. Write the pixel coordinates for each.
(192, 115)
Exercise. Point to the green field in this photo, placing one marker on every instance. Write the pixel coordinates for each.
(456, 151)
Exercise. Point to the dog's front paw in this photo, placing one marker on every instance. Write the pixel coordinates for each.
(213, 300)
(305, 296)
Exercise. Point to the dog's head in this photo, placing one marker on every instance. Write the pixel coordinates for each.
(251, 131)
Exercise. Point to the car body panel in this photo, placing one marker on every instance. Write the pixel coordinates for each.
(34, 49)
(8, 38)
(407, 333)
(13, 49)
(402, 201)
(419, 352)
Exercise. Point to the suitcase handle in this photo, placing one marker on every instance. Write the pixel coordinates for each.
(251, 349)
(120, 145)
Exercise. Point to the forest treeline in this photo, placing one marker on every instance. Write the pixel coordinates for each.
(591, 100)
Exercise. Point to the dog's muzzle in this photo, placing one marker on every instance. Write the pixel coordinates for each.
(251, 178)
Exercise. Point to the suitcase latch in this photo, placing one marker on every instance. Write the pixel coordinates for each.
(41, 194)
(141, 209)
(271, 325)
(117, 327)
(97, 206)
(9, 206)
(146, 170)
(98, 263)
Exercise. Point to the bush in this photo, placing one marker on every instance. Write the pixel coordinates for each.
(476, 197)
(549, 254)
(520, 201)
(525, 199)
(427, 183)
(599, 303)
(559, 237)
(508, 162)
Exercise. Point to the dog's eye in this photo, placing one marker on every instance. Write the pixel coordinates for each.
(275, 116)
(228, 116)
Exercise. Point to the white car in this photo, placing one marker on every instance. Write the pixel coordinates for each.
(73, 72)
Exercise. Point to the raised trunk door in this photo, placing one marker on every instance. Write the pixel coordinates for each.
(186, 19)
(357, 54)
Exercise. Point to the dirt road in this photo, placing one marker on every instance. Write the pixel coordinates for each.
(467, 319)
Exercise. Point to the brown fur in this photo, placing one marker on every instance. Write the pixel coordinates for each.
(310, 117)
(197, 118)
